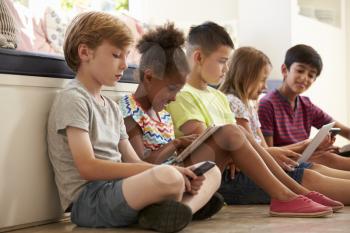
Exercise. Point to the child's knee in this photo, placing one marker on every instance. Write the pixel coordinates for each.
(233, 137)
(310, 177)
(169, 179)
(232, 128)
(318, 167)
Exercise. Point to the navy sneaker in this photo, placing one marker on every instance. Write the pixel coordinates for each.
(167, 216)
(213, 206)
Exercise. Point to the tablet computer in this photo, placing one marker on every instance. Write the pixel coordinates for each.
(315, 142)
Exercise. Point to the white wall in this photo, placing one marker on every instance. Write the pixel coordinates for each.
(329, 91)
(266, 27)
(183, 12)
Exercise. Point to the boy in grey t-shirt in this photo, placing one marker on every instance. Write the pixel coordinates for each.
(97, 172)
(75, 107)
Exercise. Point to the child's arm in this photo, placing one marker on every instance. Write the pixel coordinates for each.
(129, 155)
(135, 136)
(284, 157)
(156, 157)
(192, 127)
(266, 117)
(345, 131)
(269, 140)
(245, 124)
(263, 142)
(128, 152)
(91, 168)
(298, 147)
(287, 159)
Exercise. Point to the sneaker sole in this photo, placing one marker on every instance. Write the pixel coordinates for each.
(302, 215)
(168, 216)
(213, 206)
(337, 208)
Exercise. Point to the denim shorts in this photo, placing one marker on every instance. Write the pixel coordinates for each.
(243, 191)
(102, 204)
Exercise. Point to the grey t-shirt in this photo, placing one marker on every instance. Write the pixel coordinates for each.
(76, 107)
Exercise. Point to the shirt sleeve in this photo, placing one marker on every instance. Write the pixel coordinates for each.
(72, 111)
(184, 109)
(123, 133)
(266, 117)
(238, 108)
(320, 117)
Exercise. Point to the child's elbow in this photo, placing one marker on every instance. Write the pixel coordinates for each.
(86, 175)
(86, 172)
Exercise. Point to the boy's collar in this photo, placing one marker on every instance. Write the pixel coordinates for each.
(296, 101)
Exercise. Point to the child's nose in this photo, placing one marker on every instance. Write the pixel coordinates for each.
(123, 64)
(305, 77)
(225, 68)
(265, 86)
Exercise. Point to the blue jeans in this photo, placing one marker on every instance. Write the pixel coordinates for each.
(243, 191)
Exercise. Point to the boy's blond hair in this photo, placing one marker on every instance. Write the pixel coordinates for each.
(92, 28)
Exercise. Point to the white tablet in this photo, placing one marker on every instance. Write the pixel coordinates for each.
(315, 142)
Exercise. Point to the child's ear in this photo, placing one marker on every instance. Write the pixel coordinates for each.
(284, 71)
(84, 52)
(147, 76)
(197, 56)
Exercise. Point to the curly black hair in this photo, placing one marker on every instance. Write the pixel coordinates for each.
(161, 51)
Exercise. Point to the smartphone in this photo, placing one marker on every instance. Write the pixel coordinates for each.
(334, 131)
(203, 168)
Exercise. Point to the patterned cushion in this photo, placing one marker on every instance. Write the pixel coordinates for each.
(56, 26)
(7, 28)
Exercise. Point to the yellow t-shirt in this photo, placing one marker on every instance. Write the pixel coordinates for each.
(208, 106)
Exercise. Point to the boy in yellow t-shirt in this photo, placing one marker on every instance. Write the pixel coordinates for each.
(214, 108)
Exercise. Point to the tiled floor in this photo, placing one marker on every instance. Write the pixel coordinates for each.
(231, 219)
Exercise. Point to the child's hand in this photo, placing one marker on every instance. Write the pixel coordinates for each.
(187, 174)
(192, 182)
(233, 170)
(287, 159)
(333, 138)
(327, 142)
(196, 185)
(334, 149)
(182, 142)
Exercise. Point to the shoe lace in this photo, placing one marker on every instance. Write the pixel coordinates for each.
(307, 200)
(318, 194)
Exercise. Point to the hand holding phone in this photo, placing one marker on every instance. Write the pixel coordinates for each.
(334, 131)
(203, 168)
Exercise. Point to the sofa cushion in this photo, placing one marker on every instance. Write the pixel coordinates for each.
(7, 28)
(44, 65)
